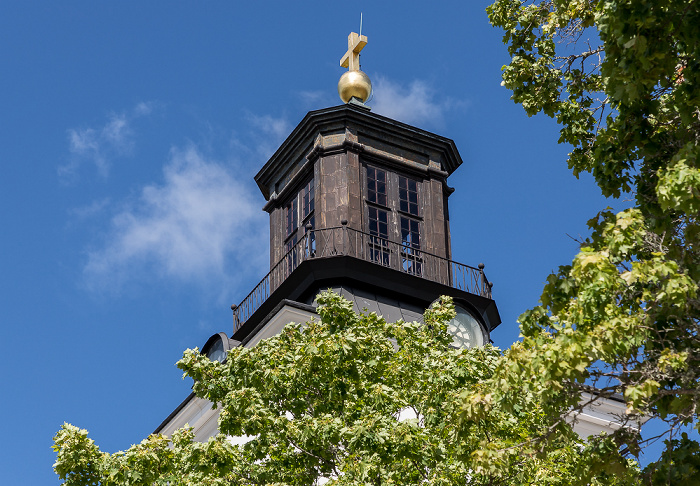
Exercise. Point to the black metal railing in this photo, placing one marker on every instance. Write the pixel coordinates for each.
(344, 241)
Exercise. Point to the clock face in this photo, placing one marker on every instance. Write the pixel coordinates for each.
(465, 329)
(217, 352)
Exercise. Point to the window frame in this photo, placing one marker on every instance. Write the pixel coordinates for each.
(297, 213)
(409, 257)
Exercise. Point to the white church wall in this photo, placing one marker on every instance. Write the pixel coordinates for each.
(198, 412)
(602, 416)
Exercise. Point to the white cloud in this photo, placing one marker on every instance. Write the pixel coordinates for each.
(270, 125)
(201, 224)
(101, 145)
(267, 133)
(143, 108)
(414, 104)
(116, 132)
(84, 144)
(318, 99)
(92, 209)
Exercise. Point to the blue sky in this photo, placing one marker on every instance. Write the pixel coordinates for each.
(130, 133)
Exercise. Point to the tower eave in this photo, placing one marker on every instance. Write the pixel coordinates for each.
(439, 153)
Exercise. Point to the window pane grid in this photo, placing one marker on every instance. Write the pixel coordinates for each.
(299, 213)
(411, 261)
(408, 195)
(292, 217)
(379, 234)
(376, 186)
(410, 234)
(291, 252)
(399, 197)
(311, 248)
(308, 199)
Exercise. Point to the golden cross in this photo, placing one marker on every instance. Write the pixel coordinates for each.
(351, 59)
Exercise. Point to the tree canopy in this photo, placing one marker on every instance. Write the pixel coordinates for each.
(349, 399)
(622, 79)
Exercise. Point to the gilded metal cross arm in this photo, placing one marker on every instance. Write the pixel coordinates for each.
(351, 59)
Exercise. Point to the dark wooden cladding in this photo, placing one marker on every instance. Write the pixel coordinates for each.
(438, 243)
(392, 242)
(333, 190)
(332, 147)
(400, 155)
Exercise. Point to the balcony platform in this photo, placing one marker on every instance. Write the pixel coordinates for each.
(345, 259)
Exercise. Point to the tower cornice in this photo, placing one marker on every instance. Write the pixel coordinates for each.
(356, 129)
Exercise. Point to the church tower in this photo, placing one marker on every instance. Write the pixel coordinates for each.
(358, 203)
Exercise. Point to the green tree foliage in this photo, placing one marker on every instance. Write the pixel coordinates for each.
(350, 398)
(622, 78)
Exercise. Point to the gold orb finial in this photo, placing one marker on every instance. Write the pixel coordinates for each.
(354, 83)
